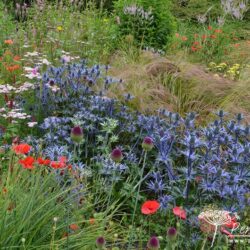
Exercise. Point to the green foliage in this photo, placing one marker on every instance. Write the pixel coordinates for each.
(7, 25)
(150, 22)
(192, 8)
(37, 211)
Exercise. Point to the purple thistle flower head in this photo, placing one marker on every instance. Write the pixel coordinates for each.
(76, 134)
(147, 143)
(100, 242)
(153, 243)
(116, 155)
(172, 232)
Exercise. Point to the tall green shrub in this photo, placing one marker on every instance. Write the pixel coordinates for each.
(150, 22)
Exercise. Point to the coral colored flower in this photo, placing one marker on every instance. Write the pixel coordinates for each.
(193, 48)
(42, 161)
(5, 190)
(203, 37)
(74, 227)
(236, 45)
(180, 212)
(92, 221)
(184, 38)
(9, 41)
(22, 148)
(177, 35)
(16, 58)
(28, 162)
(196, 43)
(218, 31)
(150, 207)
(210, 27)
(13, 67)
(59, 164)
(213, 36)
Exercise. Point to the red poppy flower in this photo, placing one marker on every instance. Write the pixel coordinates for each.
(42, 161)
(196, 43)
(74, 227)
(213, 36)
(9, 42)
(203, 37)
(218, 31)
(22, 148)
(180, 212)
(150, 207)
(233, 224)
(59, 164)
(210, 27)
(27, 162)
(193, 48)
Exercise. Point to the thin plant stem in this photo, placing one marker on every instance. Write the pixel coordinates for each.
(137, 196)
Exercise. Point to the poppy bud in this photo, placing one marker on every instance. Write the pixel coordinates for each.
(116, 155)
(153, 243)
(172, 232)
(100, 242)
(147, 143)
(76, 134)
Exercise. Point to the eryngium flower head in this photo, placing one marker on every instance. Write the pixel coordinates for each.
(100, 242)
(116, 155)
(172, 232)
(153, 243)
(147, 143)
(76, 134)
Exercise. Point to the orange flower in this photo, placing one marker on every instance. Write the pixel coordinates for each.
(184, 38)
(92, 221)
(27, 163)
(236, 45)
(4, 190)
(9, 41)
(150, 207)
(42, 161)
(213, 36)
(13, 67)
(16, 58)
(210, 27)
(218, 31)
(74, 227)
(22, 148)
